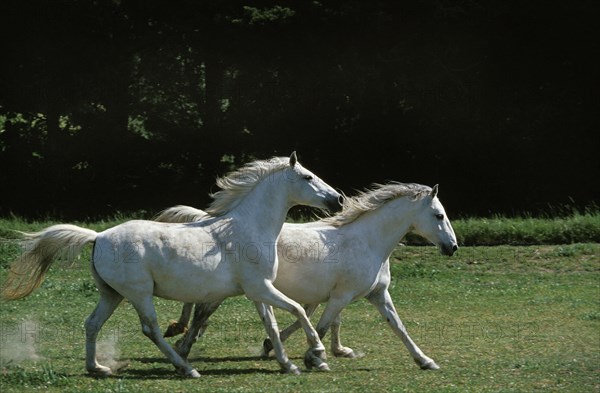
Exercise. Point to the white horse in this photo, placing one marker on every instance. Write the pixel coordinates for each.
(341, 259)
(232, 253)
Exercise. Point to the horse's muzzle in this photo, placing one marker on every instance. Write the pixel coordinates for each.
(448, 250)
(334, 204)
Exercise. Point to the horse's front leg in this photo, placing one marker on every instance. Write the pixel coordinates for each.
(288, 331)
(268, 318)
(202, 312)
(267, 293)
(383, 301)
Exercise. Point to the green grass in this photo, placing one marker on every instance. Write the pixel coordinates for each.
(570, 227)
(573, 228)
(503, 318)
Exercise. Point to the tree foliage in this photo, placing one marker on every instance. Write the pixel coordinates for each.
(128, 105)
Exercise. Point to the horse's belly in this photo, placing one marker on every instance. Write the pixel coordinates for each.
(304, 288)
(311, 282)
(191, 291)
(301, 296)
(195, 282)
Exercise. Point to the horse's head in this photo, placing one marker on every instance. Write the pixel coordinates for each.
(308, 189)
(432, 223)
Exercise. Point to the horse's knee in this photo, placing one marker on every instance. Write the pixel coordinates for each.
(148, 332)
(88, 324)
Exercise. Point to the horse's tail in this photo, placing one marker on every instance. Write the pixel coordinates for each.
(180, 214)
(28, 271)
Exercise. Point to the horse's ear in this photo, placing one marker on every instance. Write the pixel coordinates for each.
(293, 159)
(434, 191)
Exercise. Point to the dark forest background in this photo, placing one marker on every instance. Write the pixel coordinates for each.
(110, 106)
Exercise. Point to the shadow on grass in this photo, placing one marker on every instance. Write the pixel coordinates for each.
(200, 359)
(169, 372)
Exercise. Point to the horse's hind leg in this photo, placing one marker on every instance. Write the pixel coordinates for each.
(180, 326)
(150, 328)
(337, 348)
(331, 318)
(109, 300)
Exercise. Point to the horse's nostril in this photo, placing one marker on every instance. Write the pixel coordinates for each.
(341, 200)
(334, 205)
(454, 248)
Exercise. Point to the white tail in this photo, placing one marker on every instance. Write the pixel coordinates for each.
(28, 271)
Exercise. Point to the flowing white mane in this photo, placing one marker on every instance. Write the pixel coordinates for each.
(374, 198)
(235, 185)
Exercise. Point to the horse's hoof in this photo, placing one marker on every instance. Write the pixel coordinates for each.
(191, 373)
(100, 372)
(319, 366)
(344, 352)
(428, 365)
(175, 328)
(293, 370)
(312, 359)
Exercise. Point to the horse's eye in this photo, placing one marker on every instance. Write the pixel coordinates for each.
(308, 177)
(439, 216)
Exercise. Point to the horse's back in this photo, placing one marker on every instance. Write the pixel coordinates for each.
(180, 261)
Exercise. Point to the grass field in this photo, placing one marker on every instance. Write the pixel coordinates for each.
(502, 318)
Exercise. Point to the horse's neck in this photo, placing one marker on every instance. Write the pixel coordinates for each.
(263, 210)
(384, 227)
